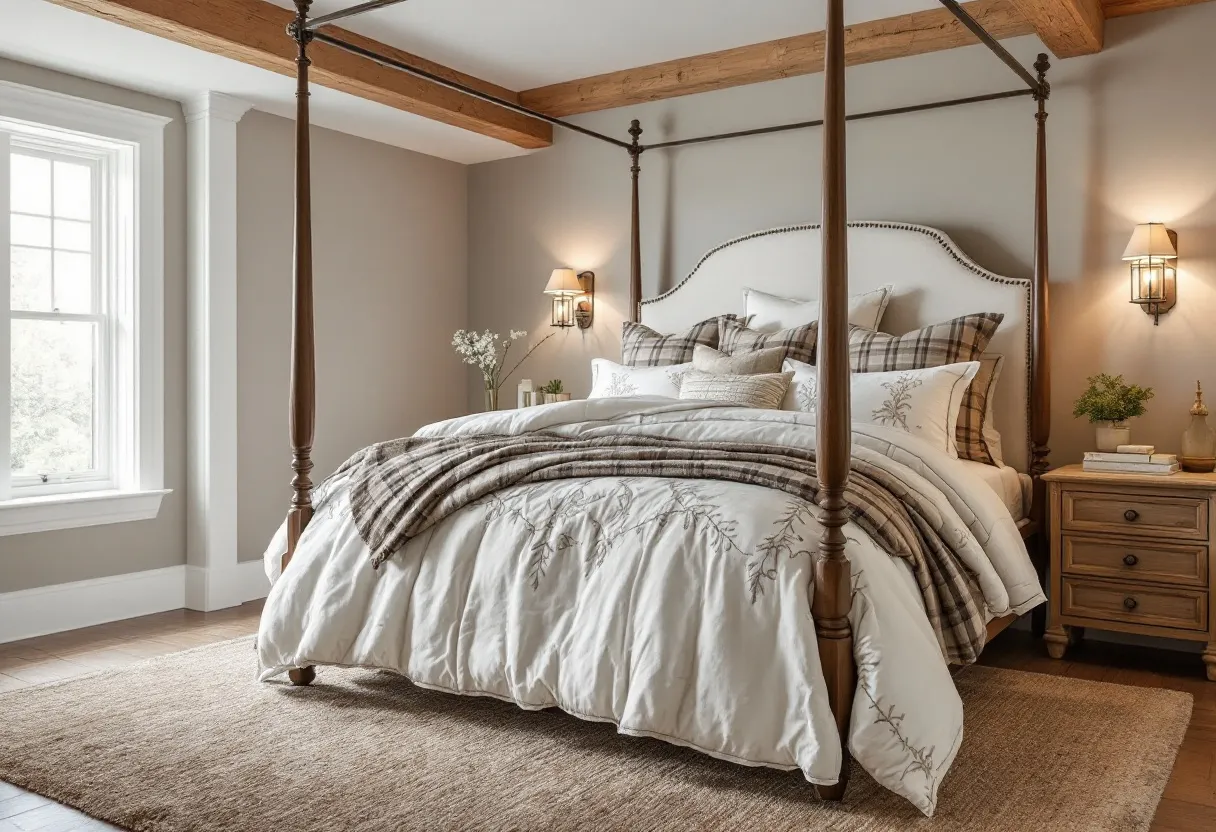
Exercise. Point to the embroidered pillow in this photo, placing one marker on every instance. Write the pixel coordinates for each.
(610, 380)
(769, 313)
(799, 342)
(641, 346)
(709, 360)
(763, 391)
(923, 403)
(962, 339)
(976, 435)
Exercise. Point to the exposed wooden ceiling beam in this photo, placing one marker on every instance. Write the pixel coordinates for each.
(254, 32)
(1067, 27)
(877, 40)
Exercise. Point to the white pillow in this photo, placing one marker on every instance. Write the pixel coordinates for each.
(770, 313)
(709, 360)
(610, 380)
(925, 403)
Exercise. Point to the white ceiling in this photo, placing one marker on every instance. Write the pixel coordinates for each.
(519, 44)
(37, 32)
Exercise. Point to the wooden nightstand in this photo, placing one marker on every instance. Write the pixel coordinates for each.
(1132, 553)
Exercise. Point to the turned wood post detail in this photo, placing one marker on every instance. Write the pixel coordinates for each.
(635, 238)
(302, 398)
(1040, 367)
(832, 590)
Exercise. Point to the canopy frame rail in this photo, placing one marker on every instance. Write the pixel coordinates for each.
(393, 63)
(803, 125)
(314, 23)
(1036, 85)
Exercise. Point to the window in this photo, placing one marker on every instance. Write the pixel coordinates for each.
(81, 370)
(62, 322)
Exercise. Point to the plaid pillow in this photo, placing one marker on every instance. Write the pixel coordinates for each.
(962, 339)
(976, 436)
(641, 346)
(798, 342)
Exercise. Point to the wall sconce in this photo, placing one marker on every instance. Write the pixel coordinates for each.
(573, 295)
(1151, 253)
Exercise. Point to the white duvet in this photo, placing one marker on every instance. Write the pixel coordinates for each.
(676, 609)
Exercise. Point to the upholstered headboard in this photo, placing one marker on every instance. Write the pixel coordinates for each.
(934, 281)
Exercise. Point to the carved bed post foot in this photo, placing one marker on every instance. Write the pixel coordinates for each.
(834, 794)
(1209, 660)
(1057, 641)
(302, 676)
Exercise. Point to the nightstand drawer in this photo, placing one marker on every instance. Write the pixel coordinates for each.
(1178, 518)
(1127, 559)
(1183, 609)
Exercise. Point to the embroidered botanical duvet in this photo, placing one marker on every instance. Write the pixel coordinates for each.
(674, 607)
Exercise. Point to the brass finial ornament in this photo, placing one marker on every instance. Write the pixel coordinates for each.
(1199, 441)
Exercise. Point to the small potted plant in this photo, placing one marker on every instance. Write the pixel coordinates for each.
(1109, 403)
(553, 392)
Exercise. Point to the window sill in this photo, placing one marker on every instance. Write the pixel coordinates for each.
(83, 508)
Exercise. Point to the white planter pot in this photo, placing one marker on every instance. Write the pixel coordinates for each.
(1110, 437)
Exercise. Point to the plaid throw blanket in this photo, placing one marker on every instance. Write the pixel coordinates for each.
(400, 488)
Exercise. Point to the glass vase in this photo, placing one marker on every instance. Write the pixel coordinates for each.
(491, 399)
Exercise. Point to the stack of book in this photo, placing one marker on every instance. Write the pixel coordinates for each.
(1131, 459)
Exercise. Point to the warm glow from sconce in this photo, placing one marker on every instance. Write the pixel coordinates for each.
(1151, 253)
(564, 286)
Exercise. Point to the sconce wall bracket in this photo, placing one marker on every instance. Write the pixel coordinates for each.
(584, 312)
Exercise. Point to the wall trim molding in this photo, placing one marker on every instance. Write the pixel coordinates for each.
(29, 613)
(211, 348)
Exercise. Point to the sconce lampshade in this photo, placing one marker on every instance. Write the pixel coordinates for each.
(1150, 240)
(1150, 254)
(563, 282)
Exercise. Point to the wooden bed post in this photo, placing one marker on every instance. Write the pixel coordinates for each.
(1040, 366)
(302, 398)
(832, 590)
(635, 241)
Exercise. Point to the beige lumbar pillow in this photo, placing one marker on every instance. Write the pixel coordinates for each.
(709, 360)
(764, 391)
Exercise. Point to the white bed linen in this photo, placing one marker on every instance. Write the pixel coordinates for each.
(662, 638)
(1012, 486)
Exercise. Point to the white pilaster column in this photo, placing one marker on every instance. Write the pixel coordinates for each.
(212, 577)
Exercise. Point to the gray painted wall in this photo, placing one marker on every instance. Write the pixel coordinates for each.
(33, 560)
(1114, 163)
(390, 250)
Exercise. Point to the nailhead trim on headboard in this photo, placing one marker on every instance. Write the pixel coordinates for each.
(947, 245)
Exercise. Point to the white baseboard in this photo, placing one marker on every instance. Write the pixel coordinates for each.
(53, 609)
(211, 589)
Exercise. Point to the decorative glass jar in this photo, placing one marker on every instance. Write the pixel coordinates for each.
(1199, 441)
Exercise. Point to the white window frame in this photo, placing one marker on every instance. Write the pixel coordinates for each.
(128, 146)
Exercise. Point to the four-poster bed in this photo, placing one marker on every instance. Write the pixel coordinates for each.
(832, 585)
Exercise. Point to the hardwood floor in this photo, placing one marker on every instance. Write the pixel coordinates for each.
(1189, 803)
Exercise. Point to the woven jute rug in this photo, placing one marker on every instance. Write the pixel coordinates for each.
(191, 741)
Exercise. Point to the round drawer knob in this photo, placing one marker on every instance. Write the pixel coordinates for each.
(1131, 515)
(1130, 603)
(1130, 560)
